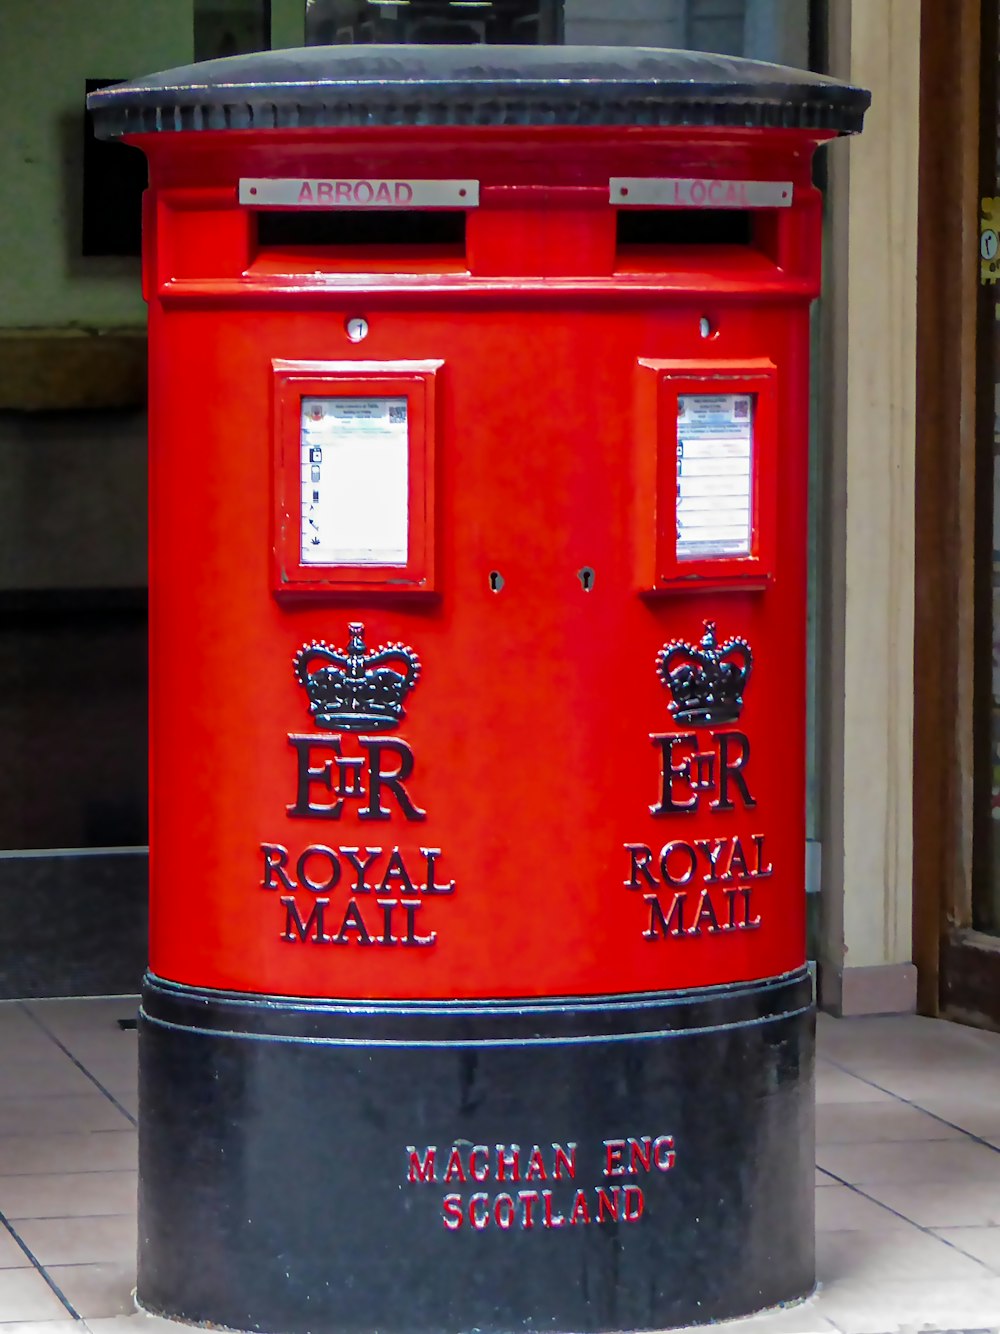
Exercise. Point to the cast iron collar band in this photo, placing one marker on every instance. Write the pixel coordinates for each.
(321, 87)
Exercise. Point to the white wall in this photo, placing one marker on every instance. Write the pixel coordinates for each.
(868, 692)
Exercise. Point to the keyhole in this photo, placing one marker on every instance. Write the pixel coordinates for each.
(496, 581)
(586, 578)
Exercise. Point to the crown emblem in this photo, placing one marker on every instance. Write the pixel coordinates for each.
(352, 689)
(707, 682)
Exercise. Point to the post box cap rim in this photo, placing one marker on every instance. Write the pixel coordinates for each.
(350, 86)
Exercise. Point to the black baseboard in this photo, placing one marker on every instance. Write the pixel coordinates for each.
(310, 1166)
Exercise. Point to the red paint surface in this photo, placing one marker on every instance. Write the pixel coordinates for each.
(531, 723)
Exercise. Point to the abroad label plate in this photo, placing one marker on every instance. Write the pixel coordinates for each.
(351, 192)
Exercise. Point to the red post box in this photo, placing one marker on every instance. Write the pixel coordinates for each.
(479, 384)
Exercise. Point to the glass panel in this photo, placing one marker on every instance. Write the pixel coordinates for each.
(762, 29)
(714, 465)
(230, 27)
(74, 774)
(73, 630)
(520, 22)
(354, 473)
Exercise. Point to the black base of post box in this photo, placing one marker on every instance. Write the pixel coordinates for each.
(616, 1163)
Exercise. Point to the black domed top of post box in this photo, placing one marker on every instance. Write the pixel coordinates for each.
(347, 86)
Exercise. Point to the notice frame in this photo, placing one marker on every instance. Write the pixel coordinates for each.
(669, 560)
(369, 426)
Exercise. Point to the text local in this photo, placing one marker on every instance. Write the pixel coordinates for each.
(708, 194)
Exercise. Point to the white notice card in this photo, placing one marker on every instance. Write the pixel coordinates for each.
(354, 467)
(714, 459)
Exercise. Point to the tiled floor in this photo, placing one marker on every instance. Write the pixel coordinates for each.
(907, 1199)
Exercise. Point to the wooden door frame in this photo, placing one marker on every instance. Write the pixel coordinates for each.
(954, 963)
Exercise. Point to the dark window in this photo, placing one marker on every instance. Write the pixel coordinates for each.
(114, 177)
(401, 227)
(520, 22)
(684, 226)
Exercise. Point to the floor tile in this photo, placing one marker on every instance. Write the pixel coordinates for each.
(837, 1086)
(137, 1323)
(93, 1012)
(31, 1046)
(885, 1306)
(982, 1242)
(93, 1151)
(840, 1209)
(67, 1195)
(945, 1161)
(89, 1045)
(66, 1326)
(904, 1254)
(877, 1122)
(933, 1084)
(804, 1318)
(114, 1073)
(13, 1014)
(916, 1075)
(79, 1241)
(973, 1113)
(933, 1205)
(899, 1058)
(24, 1295)
(127, 1098)
(55, 1113)
(11, 1255)
(851, 1038)
(98, 1290)
(29, 1079)
(106, 1021)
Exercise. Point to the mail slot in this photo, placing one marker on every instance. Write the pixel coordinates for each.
(479, 426)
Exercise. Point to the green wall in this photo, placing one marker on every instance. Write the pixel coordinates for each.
(288, 23)
(47, 49)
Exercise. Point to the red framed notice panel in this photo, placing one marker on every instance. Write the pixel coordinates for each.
(707, 474)
(354, 476)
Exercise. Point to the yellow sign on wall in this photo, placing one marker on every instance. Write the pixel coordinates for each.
(989, 241)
